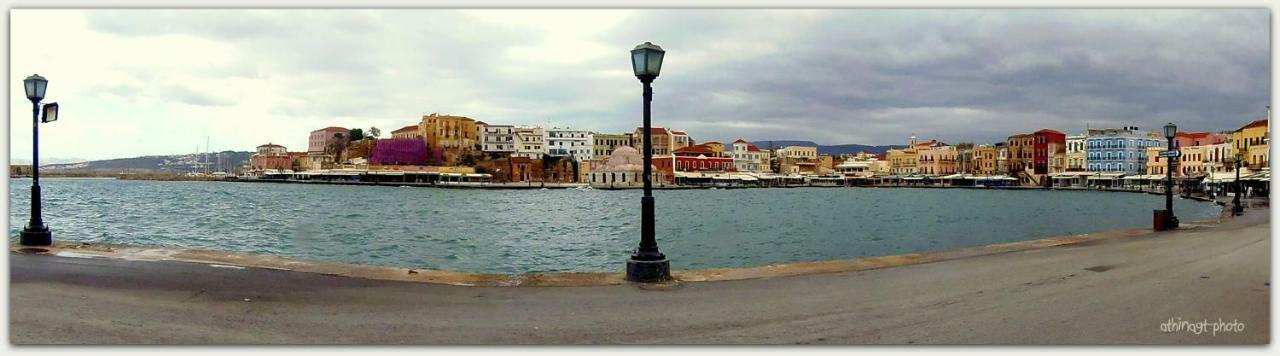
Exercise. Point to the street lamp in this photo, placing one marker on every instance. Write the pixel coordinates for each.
(1171, 221)
(36, 233)
(647, 264)
(1236, 208)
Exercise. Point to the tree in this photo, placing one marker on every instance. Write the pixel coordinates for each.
(374, 132)
(357, 134)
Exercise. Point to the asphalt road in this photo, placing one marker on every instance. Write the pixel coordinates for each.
(1117, 291)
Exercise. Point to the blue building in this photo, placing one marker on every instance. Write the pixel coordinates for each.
(1120, 150)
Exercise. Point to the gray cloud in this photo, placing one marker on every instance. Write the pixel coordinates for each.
(833, 76)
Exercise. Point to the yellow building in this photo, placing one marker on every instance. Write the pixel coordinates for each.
(453, 136)
(984, 160)
(603, 144)
(1252, 141)
(798, 159)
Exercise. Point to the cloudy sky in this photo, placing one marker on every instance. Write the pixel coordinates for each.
(139, 82)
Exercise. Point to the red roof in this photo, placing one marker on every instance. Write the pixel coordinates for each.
(1050, 131)
(1192, 134)
(1255, 123)
(406, 129)
(695, 149)
(752, 148)
(880, 157)
(654, 130)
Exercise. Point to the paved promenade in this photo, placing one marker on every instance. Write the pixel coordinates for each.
(1112, 291)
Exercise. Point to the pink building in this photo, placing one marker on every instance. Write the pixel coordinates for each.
(1192, 139)
(321, 138)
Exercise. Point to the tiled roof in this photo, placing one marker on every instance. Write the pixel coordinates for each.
(1051, 131)
(406, 129)
(1255, 123)
(654, 130)
(695, 149)
(752, 148)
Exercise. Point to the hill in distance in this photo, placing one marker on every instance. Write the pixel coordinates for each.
(827, 149)
(175, 164)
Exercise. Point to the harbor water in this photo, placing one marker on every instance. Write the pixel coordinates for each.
(583, 230)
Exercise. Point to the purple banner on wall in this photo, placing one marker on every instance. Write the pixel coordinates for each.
(408, 152)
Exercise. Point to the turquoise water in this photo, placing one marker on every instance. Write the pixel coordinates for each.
(517, 231)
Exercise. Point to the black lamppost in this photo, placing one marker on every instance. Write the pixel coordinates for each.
(1171, 222)
(1236, 208)
(36, 233)
(647, 264)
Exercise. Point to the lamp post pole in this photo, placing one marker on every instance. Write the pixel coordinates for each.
(1236, 208)
(1171, 222)
(648, 264)
(35, 233)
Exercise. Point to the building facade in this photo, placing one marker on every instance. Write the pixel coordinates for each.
(1077, 158)
(937, 160)
(322, 139)
(529, 142)
(748, 157)
(604, 144)
(1252, 141)
(452, 136)
(406, 133)
(565, 142)
(498, 139)
(1120, 149)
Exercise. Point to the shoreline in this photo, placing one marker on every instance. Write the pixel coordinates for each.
(216, 258)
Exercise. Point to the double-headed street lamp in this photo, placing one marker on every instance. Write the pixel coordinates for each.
(1236, 208)
(36, 233)
(647, 264)
(1171, 222)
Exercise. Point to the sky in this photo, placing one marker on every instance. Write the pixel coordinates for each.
(147, 82)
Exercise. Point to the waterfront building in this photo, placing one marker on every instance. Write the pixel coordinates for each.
(825, 165)
(965, 158)
(1191, 160)
(270, 157)
(322, 139)
(748, 157)
(664, 141)
(1156, 165)
(407, 132)
(863, 165)
(565, 142)
(1002, 157)
(696, 158)
(1077, 159)
(1220, 157)
(1252, 141)
(1020, 155)
(529, 142)
(604, 144)
(798, 159)
(984, 160)
(498, 139)
(624, 167)
(452, 136)
(1120, 149)
(1049, 152)
(936, 159)
(1203, 138)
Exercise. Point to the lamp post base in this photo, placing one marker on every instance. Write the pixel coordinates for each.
(648, 271)
(36, 237)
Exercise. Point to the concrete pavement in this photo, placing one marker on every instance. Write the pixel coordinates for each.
(1111, 291)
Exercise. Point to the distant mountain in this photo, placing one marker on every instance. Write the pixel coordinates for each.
(827, 149)
(182, 163)
(44, 161)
